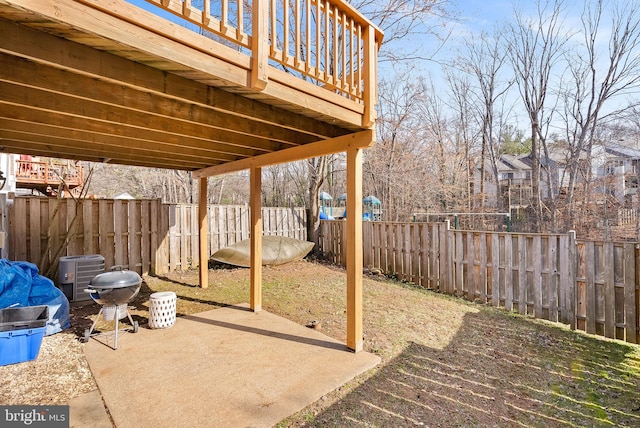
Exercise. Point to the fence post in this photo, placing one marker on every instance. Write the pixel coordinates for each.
(450, 257)
(571, 280)
(443, 256)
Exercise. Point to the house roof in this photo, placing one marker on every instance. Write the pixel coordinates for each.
(622, 151)
(515, 162)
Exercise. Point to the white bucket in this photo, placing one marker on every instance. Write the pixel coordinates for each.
(109, 312)
(162, 309)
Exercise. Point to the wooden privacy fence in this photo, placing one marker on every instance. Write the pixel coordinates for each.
(227, 225)
(142, 235)
(591, 286)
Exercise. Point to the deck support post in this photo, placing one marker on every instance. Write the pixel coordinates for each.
(256, 238)
(354, 249)
(202, 219)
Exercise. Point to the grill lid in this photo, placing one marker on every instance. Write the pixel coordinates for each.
(116, 279)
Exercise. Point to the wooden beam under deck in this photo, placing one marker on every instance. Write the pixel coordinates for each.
(71, 140)
(29, 75)
(220, 140)
(360, 140)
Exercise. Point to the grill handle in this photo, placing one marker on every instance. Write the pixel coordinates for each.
(117, 267)
(90, 290)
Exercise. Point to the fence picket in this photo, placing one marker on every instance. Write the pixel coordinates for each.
(522, 275)
(406, 253)
(70, 225)
(53, 223)
(145, 245)
(443, 263)
(470, 262)
(154, 244)
(609, 291)
(459, 260)
(590, 290)
(35, 235)
(630, 299)
(484, 277)
(87, 226)
(398, 250)
(537, 276)
(508, 272)
(416, 252)
(552, 267)
(425, 255)
(495, 269)
(118, 234)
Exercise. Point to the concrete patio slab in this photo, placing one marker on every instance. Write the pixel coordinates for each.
(227, 367)
(87, 410)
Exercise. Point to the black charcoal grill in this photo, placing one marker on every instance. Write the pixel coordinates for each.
(114, 290)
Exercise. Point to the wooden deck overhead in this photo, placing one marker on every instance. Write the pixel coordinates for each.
(273, 81)
(108, 81)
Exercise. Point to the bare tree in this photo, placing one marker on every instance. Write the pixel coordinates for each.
(401, 20)
(535, 46)
(52, 250)
(461, 104)
(444, 153)
(396, 133)
(595, 81)
(484, 58)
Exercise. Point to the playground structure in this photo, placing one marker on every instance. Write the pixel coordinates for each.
(326, 206)
(371, 207)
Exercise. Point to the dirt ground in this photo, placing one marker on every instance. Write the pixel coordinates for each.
(446, 362)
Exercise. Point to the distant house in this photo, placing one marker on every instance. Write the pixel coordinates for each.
(623, 164)
(614, 168)
(514, 181)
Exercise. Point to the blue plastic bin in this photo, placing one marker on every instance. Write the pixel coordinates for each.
(17, 346)
(24, 317)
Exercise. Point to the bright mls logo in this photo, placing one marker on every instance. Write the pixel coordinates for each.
(34, 416)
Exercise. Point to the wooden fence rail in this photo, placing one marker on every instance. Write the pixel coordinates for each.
(142, 235)
(591, 286)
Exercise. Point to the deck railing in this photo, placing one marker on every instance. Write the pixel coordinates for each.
(50, 173)
(325, 42)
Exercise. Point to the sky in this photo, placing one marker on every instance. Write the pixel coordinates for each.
(475, 16)
(471, 17)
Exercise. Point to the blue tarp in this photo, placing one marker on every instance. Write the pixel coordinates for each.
(21, 285)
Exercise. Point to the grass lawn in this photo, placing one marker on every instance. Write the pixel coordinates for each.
(446, 362)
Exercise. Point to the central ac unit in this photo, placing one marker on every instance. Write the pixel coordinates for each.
(75, 272)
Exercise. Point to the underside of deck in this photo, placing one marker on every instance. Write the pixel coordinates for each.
(107, 81)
